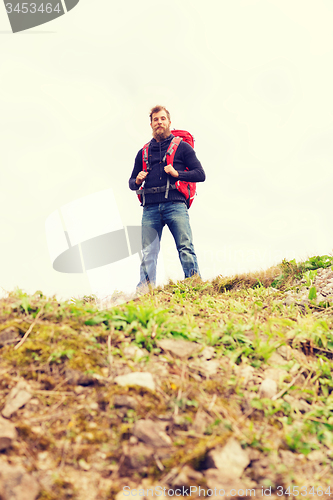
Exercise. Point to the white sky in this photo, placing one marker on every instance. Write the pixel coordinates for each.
(251, 79)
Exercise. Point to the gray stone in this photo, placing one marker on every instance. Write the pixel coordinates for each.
(290, 299)
(133, 351)
(299, 404)
(276, 359)
(16, 484)
(316, 456)
(75, 377)
(209, 367)
(284, 351)
(201, 421)
(9, 336)
(276, 374)
(268, 388)
(138, 456)
(207, 353)
(246, 374)
(7, 434)
(179, 348)
(288, 458)
(231, 460)
(142, 379)
(215, 480)
(17, 398)
(152, 433)
(187, 477)
(125, 401)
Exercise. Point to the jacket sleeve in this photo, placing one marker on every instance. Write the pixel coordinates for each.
(195, 172)
(136, 170)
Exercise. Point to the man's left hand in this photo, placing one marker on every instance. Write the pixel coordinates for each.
(170, 170)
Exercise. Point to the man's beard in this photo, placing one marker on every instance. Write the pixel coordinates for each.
(161, 133)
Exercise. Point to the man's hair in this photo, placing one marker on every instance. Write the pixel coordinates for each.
(157, 109)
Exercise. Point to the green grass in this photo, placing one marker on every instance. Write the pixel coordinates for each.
(248, 326)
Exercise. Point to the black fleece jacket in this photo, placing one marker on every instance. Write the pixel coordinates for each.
(185, 157)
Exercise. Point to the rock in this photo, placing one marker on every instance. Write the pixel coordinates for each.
(277, 374)
(288, 458)
(214, 480)
(246, 374)
(179, 348)
(159, 368)
(133, 351)
(75, 377)
(84, 465)
(9, 336)
(187, 477)
(17, 398)
(152, 433)
(268, 388)
(230, 460)
(284, 351)
(316, 456)
(125, 401)
(299, 404)
(138, 456)
(207, 353)
(143, 379)
(208, 368)
(276, 359)
(201, 421)
(260, 470)
(16, 484)
(254, 454)
(290, 299)
(7, 434)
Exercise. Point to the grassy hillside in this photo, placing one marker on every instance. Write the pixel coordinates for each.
(245, 403)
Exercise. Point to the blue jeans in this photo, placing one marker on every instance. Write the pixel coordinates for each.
(175, 215)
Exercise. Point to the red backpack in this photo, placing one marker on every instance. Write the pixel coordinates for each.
(188, 189)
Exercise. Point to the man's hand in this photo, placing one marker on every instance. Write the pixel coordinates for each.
(170, 170)
(141, 177)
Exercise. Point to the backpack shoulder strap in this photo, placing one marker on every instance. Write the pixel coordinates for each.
(170, 154)
(145, 164)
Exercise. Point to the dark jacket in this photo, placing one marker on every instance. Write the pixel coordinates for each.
(185, 157)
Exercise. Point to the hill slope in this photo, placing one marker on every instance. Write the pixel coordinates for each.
(222, 385)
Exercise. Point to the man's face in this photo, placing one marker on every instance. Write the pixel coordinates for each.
(160, 125)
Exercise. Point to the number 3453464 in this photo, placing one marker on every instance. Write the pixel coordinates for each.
(32, 8)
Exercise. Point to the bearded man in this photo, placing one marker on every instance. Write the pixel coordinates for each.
(159, 210)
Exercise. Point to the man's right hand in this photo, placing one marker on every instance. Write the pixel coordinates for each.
(141, 177)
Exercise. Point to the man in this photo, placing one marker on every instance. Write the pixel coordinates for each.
(159, 210)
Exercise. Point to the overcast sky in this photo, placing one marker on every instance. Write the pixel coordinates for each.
(250, 79)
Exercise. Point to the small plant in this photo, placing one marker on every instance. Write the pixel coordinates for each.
(309, 276)
(59, 356)
(317, 262)
(299, 443)
(312, 293)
